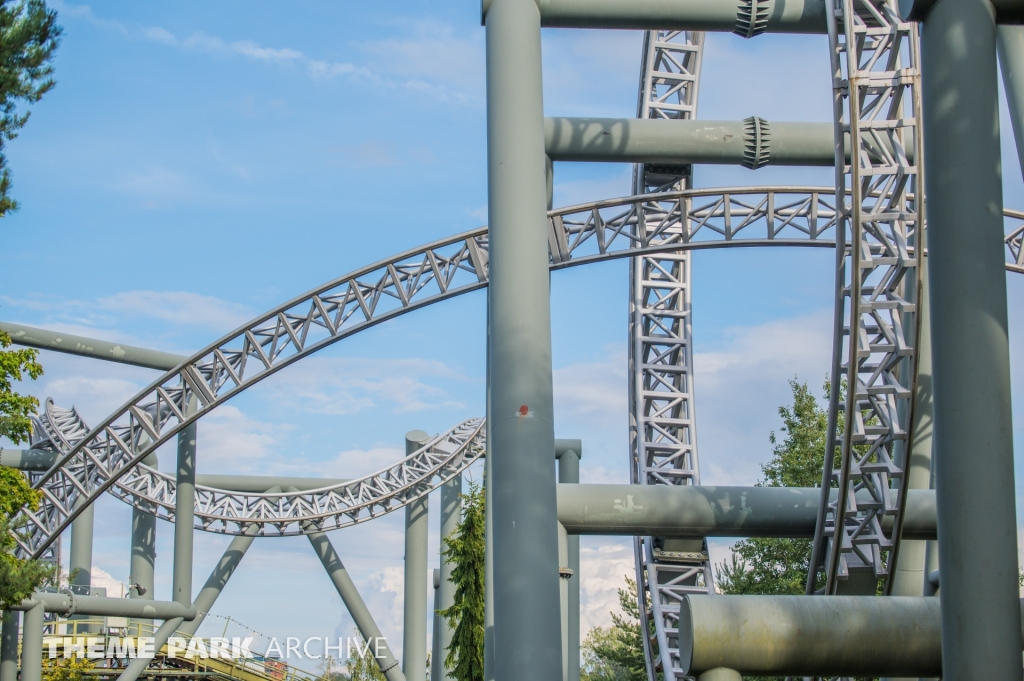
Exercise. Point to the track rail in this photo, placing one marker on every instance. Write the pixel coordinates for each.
(662, 418)
(597, 231)
(286, 513)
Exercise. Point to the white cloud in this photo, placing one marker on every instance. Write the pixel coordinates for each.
(179, 307)
(102, 579)
(232, 442)
(245, 48)
(337, 385)
(603, 567)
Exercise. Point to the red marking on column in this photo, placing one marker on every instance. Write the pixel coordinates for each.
(524, 410)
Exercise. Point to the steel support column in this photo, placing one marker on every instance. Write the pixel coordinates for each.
(451, 513)
(417, 515)
(9, 646)
(1010, 43)
(436, 660)
(80, 563)
(32, 645)
(355, 605)
(569, 472)
(520, 411)
(143, 552)
(184, 505)
(981, 628)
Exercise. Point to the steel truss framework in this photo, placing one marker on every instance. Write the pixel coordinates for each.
(663, 435)
(597, 231)
(877, 103)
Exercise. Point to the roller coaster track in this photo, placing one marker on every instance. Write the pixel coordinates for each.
(278, 514)
(597, 231)
(662, 415)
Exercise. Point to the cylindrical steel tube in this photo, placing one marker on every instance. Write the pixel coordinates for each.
(520, 419)
(9, 645)
(32, 644)
(683, 511)
(1010, 41)
(812, 636)
(970, 344)
(417, 515)
(184, 509)
(569, 473)
(90, 347)
(451, 513)
(64, 604)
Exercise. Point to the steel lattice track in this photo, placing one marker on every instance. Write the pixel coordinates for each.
(877, 103)
(278, 514)
(662, 424)
(597, 231)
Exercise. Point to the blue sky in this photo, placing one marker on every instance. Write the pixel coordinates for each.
(201, 162)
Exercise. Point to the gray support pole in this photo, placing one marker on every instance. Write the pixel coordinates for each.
(355, 605)
(563, 598)
(909, 578)
(451, 512)
(143, 558)
(1010, 40)
(80, 563)
(436, 661)
(90, 347)
(218, 579)
(981, 628)
(184, 505)
(32, 645)
(417, 527)
(139, 664)
(569, 472)
(520, 419)
(720, 674)
(9, 646)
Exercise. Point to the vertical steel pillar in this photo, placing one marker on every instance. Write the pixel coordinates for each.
(143, 558)
(80, 563)
(451, 512)
(981, 628)
(184, 504)
(414, 640)
(355, 605)
(436, 661)
(9, 646)
(569, 472)
(520, 419)
(1010, 41)
(563, 597)
(32, 645)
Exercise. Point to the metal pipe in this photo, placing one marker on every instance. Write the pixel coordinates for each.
(90, 347)
(451, 511)
(32, 644)
(720, 674)
(639, 140)
(222, 572)
(973, 421)
(28, 459)
(417, 527)
(436, 663)
(355, 605)
(820, 636)
(1010, 44)
(1006, 11)
(569, 473)
(563, 598)
(143, 559)
(9, 645)
(694, 512)
(184, 509)
(783, 16)
(80, 563)
(139, 664)
(520, 419)
(69, 603)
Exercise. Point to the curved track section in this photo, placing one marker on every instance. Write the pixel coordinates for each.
(602, 230)
(278, 514)
(662, 420)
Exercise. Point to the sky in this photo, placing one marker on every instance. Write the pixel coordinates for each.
(199, 163)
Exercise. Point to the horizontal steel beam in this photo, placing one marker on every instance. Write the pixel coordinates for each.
(752, 143)
(782, 16)
(70, 604)
(28, 459)
(825, 636)
(90, 347)
(683, 511)
(1007, 11)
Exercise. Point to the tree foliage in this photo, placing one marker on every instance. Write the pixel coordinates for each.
(361, 663)
(616, 653)
(465, 549)
(18, 578)
(29, 36)
(763, 565)
(73, 668)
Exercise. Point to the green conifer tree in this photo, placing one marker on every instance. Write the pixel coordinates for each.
(465, 548)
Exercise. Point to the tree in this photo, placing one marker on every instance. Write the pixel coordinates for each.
(73, 668)
(361, 663)
(764, 565)
(465, 549)
(616, 653)
(18, 578)
(29, 36)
